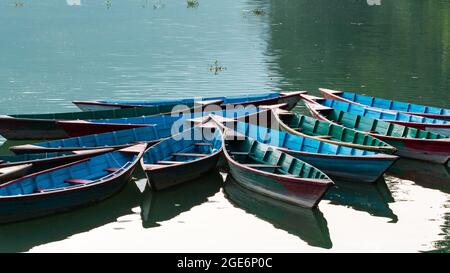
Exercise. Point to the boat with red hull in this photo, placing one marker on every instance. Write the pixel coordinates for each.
(410, 142)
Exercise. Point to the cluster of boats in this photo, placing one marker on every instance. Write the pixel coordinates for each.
(87, 156)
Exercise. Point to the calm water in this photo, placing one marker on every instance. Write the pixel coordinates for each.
(52, 52)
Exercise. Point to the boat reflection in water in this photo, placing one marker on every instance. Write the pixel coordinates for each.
(372, 198)
(166, 204)
(22, 236)
(425, 174)
(308, 224)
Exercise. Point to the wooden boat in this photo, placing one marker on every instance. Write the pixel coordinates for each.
(45, 126)
(182, 157)
(410, 142)
(68, 186)
(310, 127)
(437, 126)
(397, 106)
(291, 98)
(270, 172)
(116, 140)
(15, 166)
(76, 128)
(338, 162)
(309, 225)
(9, 173)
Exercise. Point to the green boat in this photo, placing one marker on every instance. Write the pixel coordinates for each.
(268, 171)
(310, 127)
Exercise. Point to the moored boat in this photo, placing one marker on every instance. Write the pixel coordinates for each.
(68, 186)
(291, 98)
(410, 142)
(398, 106)
(310, 127)
(19, 165)
(270, 172)
(338, 162)
(433, 125)
(76, 128)
(182, 157)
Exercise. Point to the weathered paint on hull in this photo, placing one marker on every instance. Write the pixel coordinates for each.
(159, 179)
(74, 129)
(303, 194)
(14, 210)
(30, 129)
(365, 170)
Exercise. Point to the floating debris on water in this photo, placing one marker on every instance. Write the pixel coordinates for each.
(258, 12)
(217, 67)
(192, 3)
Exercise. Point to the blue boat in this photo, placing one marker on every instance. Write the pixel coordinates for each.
(150, 134)
(289, 98)
(183, 157)
(15, 166)
(338, 162)
(437, 126)
(76, 128)
(398, 106)
(69, 186)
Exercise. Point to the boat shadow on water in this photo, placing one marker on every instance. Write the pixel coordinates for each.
(425, 174)
(22, 236)
(308, 224)
(373, 198)
(159, 206)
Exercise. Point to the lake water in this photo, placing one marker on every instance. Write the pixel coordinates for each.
(52, 52)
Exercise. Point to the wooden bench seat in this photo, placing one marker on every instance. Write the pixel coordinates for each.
(168, 162)
(112, 169)
(189, 154)
(77, 181)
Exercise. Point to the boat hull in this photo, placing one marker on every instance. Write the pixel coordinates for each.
(366, 169)
(30, 129)
(166, 177)
(290, 99)
(76, 128)
(278, 187)
(34, 206)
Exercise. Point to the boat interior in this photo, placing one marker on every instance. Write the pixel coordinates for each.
(250, 153)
